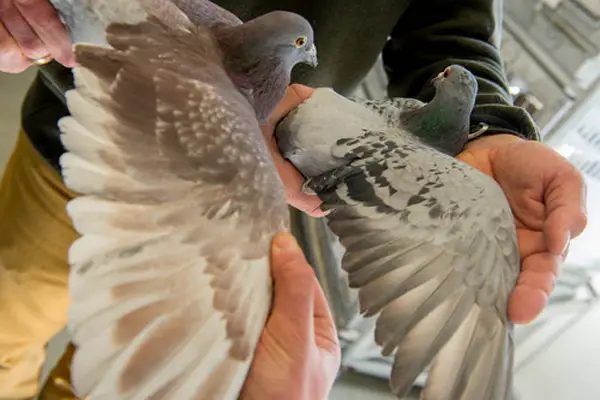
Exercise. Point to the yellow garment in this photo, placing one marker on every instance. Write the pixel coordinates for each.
(35, 234)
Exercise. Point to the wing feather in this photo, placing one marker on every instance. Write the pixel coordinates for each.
(170, 280)
(431, 245)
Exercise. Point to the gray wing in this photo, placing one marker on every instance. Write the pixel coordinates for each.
(431, 245)
(170, 281)
(391, 110)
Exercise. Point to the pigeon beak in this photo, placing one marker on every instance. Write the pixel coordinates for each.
(311, 56)
(441, 76)
(446, 72)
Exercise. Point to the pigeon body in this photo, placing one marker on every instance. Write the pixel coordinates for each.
(430, 242)
(170, 280)
(258, 55)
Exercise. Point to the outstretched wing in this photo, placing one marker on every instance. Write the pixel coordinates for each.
(391, 110)
(170, 282)
(431, 244)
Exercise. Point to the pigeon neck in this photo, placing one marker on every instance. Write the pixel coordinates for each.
(262, 78)
(444, 122)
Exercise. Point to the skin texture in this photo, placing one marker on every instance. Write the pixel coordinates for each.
(298, 354)
(30, 30)
(546, 194)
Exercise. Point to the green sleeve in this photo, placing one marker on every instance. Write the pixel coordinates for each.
(436, 33)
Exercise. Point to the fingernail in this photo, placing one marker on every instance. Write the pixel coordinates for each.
(285, 242)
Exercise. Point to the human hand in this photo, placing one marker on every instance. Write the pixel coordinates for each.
(31, 30)
(547, 195)
(292, 179)
(298, 355)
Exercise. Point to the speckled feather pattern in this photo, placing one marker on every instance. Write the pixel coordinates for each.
(390, 110)
(430, 243)
(170, 281)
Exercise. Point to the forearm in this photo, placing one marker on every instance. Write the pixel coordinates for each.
(433, 34)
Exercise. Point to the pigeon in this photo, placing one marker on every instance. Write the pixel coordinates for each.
(249, 49)
(170, 279)
(430, 242)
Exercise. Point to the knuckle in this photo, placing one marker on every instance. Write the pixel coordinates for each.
(581, 220)
(577, 174)
(567, 171)
(32, 46)
(13, 67)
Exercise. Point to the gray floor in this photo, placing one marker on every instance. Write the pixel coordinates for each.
(12, 89)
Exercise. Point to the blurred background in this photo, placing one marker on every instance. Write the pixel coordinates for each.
(552, 53)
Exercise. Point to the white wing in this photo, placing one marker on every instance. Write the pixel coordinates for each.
(170, 281)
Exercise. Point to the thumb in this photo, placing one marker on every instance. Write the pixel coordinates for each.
(294, 284)
(295, 95)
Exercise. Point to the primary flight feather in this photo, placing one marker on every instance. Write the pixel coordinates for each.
(430, 242)
(170, 282)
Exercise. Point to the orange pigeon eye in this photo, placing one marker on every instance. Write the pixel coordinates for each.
(301, 41)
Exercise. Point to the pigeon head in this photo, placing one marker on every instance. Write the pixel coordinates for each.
(286, 36)
(261, 53)
(444, 122)
(458, 82)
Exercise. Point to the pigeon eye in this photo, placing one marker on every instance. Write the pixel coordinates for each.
(301, 41)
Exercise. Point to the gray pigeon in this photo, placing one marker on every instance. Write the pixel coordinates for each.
(170, 280)
(251, 52)
(430, 242)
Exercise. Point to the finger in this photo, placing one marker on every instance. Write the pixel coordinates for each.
(535, 283)
(565, 198)
(11, 59)
(294, 280)
(42, 17)
(293, 181)
(296, 94)
(20, 30)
